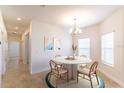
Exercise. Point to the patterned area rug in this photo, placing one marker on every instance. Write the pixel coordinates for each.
(83, 83)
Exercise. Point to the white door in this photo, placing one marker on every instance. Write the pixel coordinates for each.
(14, 51)
(0, 56)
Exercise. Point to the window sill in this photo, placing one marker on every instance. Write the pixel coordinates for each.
(111, 65)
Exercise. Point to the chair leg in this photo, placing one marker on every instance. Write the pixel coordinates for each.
(91, 81)
(56, 82)
(97, 79)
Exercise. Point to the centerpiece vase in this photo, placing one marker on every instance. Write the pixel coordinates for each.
(74, 54)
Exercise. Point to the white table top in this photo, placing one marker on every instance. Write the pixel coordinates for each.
(78, 60)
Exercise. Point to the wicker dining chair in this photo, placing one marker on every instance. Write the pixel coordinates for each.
(90, 73)
(57, 71)
(59, 64)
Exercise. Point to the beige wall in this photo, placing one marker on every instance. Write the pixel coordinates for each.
(114, 22)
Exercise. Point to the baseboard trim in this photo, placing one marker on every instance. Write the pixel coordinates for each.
(112, 78)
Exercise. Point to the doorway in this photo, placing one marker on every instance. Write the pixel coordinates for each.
(13, 51)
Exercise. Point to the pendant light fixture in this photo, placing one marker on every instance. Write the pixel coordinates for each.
(75, 30)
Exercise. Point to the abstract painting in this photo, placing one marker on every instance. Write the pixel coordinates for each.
(57, 44)
(49, 43)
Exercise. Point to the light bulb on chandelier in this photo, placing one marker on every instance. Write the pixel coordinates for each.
(75, 30)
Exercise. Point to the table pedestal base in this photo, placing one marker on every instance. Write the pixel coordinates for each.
(72, 71)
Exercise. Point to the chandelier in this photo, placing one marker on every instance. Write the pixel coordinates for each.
(75, 30)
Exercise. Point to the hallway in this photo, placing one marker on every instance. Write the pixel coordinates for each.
(18, 76)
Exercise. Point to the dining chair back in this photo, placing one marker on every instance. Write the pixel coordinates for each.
(54, 66)
(93, 68)
(63, 65)
(57, 70)
(89, 72)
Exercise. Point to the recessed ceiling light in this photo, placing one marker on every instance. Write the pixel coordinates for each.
(19, 19)
(16, 28)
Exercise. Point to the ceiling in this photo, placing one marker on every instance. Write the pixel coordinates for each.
(59, 15)
(12, 23)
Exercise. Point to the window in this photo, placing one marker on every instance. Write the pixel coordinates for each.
(84, 47)
(108, 48)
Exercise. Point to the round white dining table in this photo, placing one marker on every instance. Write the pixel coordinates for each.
(77, 60)
(72, 64)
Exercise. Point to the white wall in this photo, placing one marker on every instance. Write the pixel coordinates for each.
(39, 57)
(23, 45)
(4, 46)
(115, 22)
(91, 32)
